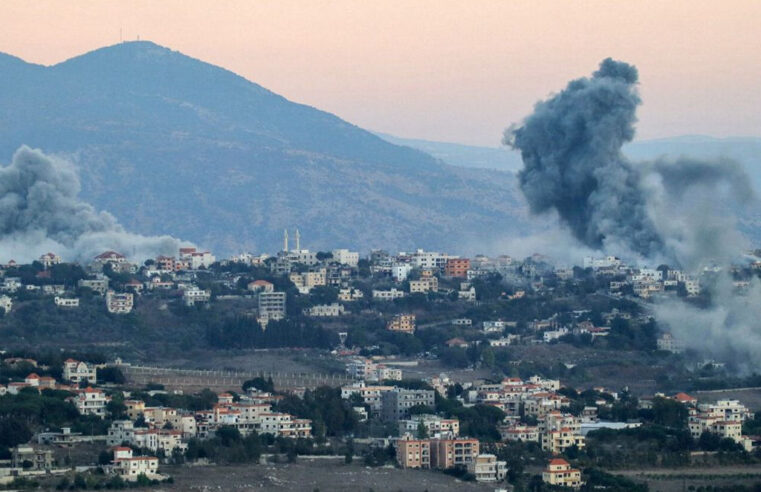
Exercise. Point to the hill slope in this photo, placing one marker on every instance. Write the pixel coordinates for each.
(170, 144)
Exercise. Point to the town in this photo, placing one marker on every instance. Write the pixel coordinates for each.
(503, 372)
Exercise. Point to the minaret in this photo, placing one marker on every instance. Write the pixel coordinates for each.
(298, 241)
(285, 240)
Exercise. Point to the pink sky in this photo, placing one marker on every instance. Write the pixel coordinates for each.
(440, 70)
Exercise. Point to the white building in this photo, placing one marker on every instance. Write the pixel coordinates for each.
(66, 302)
(400, 271)
(551, 335)
(670, 344)
(77, 371)
(131, 467)
(193, 295)
(346, 257)
(119, 303)
(486, 468)
(91, 401)
(388, 295)
(325, 310)
(6, 303)
(350, 294)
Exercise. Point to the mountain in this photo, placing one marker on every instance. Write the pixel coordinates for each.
(471, 156)
(745, 150)
(172, 145)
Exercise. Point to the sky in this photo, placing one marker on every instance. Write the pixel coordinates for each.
(457, 71)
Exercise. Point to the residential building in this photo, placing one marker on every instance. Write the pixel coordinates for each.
(91, 401)
(400, 271)
(396, 404)
(486, 468)
(457, 267)
(306, 281)
(559, 473)
(260, 286)
(119, 303)
(49, 259)
(271, 305)
(130, 467)
(434, 425)
(413, 453)
(66, 302)
(668, 343)
(98, 284)
(40, 459)
(402, 322)
(77, 371)
(325, 310)
(193, 295)
(388, 295)
(346, 257)
(371, 395)
(424, 285)
(6, 304)
(448, 453)
(350, 294)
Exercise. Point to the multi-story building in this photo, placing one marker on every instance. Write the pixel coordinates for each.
(119, 303)
(457, 267)
(350, 294)
(423, 285)
(325, 310)
(725, 418)
(66, 302)
(448, 453)
(402, 322)
(91, 401)
(346, 257)
(49, 259)
(396, 404)
(560, 431)
(271, 305)
(193, 295)
(670, 344)
(131, 467)
(98, 284)
(434, 425)
(306, 281)
(6, 303)
(560, 473)
(371, 395)
(486, 468)
(413, 453)
(388, 295)
(77, 371)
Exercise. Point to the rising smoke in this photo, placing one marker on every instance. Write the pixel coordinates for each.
(40, 211)
(676, 212)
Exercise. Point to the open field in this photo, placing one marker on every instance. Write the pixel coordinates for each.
(673, 480)
(308, 475)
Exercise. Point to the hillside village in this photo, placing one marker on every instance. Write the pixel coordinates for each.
(378, 319)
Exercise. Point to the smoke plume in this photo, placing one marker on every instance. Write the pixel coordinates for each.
(668, 211)
(40, 211)
(573, 165)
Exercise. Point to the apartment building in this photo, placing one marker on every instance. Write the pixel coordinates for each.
(77, 371)
(119, 303)
(413, 453)
(457, 267)
(559, 473)
(448, 453)
(402, 322)
(486, 468)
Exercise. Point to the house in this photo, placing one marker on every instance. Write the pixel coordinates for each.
(388, 295)
(456, 342)
(66, 302)
(402, 322)
(49, 259)
(120, 303)
(559, 473)
(435, 426)
(77, 371)
(131, 467)
(6, 304)
(193, 295)
(325, 310)
(670, 344)
(91, 401)
(467, 292)
(260, 286)
(350, 294)
(423, 285)
(98, 284)
(116, 261)
(40, 459)
(197, 259)
(486, 468)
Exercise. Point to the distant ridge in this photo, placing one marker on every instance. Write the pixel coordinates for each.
(170, 144)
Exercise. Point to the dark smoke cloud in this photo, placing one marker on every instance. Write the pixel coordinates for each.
(673, 211)
(573, 165)
(40, 211)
